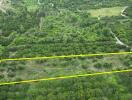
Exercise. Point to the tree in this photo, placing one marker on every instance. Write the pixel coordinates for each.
(1, 50)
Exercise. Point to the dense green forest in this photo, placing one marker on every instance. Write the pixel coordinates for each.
(32, 28)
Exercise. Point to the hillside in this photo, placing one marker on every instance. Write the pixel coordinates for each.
(37, 28)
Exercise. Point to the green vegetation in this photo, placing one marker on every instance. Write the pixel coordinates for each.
(31, 28)
(62, 67)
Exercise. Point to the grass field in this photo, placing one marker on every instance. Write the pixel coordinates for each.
(113, 11)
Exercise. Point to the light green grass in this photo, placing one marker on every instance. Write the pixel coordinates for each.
(31, 5)
(32, 8)
(113, 11)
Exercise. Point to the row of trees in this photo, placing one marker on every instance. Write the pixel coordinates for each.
(63, 27)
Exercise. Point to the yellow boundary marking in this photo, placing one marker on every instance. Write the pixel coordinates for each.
(64, 56)
(65, 77)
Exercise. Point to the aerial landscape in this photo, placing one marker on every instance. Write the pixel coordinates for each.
(57, 28)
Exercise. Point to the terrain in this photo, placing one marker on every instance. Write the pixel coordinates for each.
(37, 28)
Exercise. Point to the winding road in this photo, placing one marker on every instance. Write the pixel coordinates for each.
(118, 41)
(123, 12)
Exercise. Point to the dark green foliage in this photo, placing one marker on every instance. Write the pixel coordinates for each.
(64, 27)
(89, 88)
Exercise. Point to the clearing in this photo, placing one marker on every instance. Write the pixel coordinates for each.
(113, 11)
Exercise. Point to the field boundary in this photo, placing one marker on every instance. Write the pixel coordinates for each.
(65, 77)
(64, 56)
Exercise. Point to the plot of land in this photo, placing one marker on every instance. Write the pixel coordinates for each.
(113, 11)
(26, 70)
